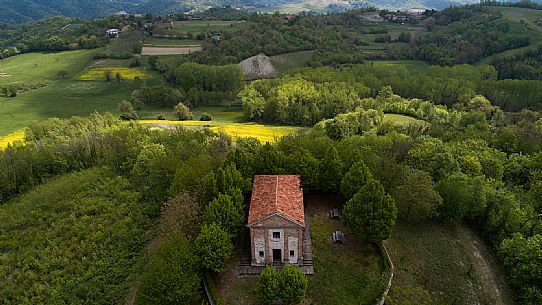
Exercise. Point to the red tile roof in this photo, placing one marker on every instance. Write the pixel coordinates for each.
(277, 194)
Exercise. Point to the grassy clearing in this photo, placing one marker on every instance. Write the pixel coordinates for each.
(39, 67)
(286, 61)
(438, 257)
(343, 274)
(402, 120)
(530, 28)
(99, 73)
(11, 138)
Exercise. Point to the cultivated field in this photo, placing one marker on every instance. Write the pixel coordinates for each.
(229, 122)
(170, 42)
(169, 50)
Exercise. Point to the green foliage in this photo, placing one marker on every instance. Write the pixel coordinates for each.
(415, 195)
(293, 285)
(197, 79)
(371, 213)
(172, 275)
(205, 117)
(524, 258)
(462, 196)
(214, 247)
(227, 212)
(81, 233)
(331, 171)
(158, 95)
(355, 179)
(298, 101)
(182, 112)
(267, 287)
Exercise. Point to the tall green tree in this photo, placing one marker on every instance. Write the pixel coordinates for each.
(371, 213)
(293, 285)
(226, 212)
(267, 287)
(415, 195)
(355, 178)
(463, 196)
(331, 171)
(172, 275)
(214, 247)
(523, 256)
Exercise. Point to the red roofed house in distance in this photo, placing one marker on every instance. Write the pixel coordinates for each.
(276, 220)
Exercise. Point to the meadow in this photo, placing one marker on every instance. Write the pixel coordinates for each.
(449, 261)
(62, 96)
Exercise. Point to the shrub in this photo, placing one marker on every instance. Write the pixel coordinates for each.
(205, 117)
(182, 112)
(293, 285)
(267, 287)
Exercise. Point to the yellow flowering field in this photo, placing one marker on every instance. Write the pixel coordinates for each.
(98, 73)
(264, 133)
(12, 137)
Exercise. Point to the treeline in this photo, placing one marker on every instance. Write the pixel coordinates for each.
(296, 101)
(527, 65)
(440, 85)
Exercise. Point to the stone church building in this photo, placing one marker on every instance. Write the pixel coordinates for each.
(276, 220)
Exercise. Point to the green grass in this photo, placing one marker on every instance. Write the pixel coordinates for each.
(343, 274)
(37, 67)
(399, 119)
(167, 42)
(196, 26)
(61, 97)
(286, 61)
(435, 257)
(77, 239)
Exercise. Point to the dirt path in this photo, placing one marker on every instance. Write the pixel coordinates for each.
(492, 278)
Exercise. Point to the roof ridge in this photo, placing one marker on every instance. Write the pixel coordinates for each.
(276, 194)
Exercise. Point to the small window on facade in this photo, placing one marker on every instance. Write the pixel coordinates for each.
(261, 253)
(292, 252)
(276, 234)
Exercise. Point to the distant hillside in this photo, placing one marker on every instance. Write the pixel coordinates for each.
(19, 11)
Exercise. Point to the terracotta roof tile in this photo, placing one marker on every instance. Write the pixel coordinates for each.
(277, 194)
